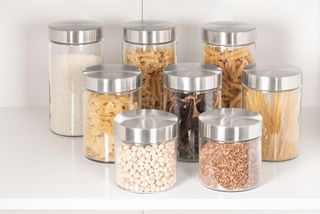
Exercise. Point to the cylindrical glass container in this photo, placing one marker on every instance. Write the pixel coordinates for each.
(146, 146)
(230, 149)
(231, 46)
(150, 45)
(189, 90)
(74, 45)
(275, 93)
(109, 90)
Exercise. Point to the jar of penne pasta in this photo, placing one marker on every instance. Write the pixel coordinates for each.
(150, 45)
(109, 90)
(275, 93)
(231, 46)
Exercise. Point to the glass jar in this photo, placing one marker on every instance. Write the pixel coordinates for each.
(230, 149)
(231, 46)
(146, 155)
(109, 90)
(189, 90)
(150, 45)
(74, 45)
(275, 93)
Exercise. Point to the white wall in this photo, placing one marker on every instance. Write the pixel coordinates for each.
(288, 32)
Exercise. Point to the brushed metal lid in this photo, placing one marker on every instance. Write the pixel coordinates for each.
(230, 125)
(192, 77)
(146, 126)
(228, 33)
(273, 77)
(149, 32)
(111, 78)
(75, 32)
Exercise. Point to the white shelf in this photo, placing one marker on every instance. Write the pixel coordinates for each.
(40, 170)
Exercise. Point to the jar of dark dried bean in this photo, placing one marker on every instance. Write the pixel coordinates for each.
(189, 90)
(230, 149)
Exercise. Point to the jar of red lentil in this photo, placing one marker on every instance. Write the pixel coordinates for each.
(230, 149)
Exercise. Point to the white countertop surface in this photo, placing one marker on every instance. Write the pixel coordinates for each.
(40, 170)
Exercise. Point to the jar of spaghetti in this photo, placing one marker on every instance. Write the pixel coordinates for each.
(230, 149)
(109, 90)
(189, 90)
(231, 46)
(275, 93)
(150, 45)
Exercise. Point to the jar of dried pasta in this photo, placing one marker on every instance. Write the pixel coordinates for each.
(74, 45)
(231, 46)
(189, 90)
(230, 149)
(150, 45)
(275, 93)
(109, 90)
(146, 155)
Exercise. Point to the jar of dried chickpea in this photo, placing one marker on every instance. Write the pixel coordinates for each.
(190, 89)
(275, 93)
(230, 149)
(150, 45)
(146, 155)
(231, 46)
(109, 90)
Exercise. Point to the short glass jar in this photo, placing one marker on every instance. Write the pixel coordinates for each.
(146, 146)
(231, 46)
(150, 45)
(230, 149)
(189, 90)
(275, 93)
(74, 45)
(109, 90)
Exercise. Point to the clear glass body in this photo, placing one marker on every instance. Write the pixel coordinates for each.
(187, 106)
(66, 63)
(230, 166)
(99, 112)
(281, 112)
(146, 168)
(151, 59)
(232, 60)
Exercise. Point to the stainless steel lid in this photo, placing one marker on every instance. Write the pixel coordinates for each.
(230, 125)
(75, 32)
(149, 32)
(111, 78)
(228, 33)
(146, 126)
(192, 77)
(273, 78)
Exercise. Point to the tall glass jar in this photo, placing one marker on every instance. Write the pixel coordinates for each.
(109, 90)
(231, 46)
(146, 158)
(150, 45)
(275, 93)
(189, 90)
(74, 45)
(230, 149)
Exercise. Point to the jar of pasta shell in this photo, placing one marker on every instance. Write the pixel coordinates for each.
(231, 46)
(190, 89)
(150, 45)
(109, 90)
(275, 93)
